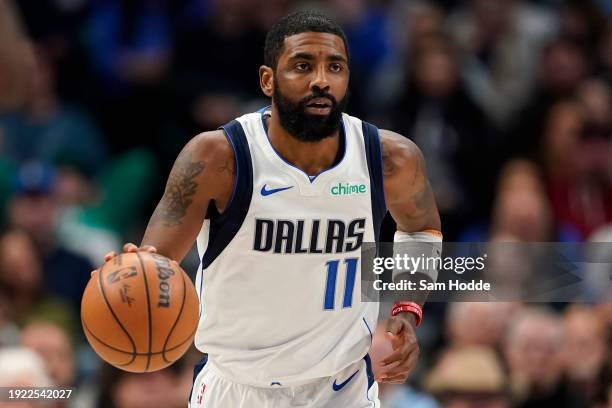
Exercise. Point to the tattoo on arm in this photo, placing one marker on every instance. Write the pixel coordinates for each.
(179, 192)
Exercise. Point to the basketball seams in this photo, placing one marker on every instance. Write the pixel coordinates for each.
(101, 288)
(144, 275)
(136, 354)
(177, 317)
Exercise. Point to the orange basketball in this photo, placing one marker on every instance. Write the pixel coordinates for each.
(140, 312)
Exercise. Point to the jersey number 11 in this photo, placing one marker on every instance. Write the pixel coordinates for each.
(330, 286)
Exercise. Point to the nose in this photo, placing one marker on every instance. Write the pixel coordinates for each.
(319, 81)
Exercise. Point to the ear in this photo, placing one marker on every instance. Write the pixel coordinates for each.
(266, 80)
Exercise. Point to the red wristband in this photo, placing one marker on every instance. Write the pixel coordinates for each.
(411, 307)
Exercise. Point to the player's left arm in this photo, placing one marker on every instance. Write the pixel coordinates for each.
(412, 205)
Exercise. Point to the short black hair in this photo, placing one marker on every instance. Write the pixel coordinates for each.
(296, 23)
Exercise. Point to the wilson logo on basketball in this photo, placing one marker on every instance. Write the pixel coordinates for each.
(164, 271)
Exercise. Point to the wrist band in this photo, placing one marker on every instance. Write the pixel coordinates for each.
(411, 307)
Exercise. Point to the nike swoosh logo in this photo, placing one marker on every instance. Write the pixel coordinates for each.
(338, 387)
(265, 192)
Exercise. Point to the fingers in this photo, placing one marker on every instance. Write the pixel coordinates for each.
(403, 347)
(129, 247)
(396, 340)
(109, 256)
(401, 372)
(394, 325)
(392, 358)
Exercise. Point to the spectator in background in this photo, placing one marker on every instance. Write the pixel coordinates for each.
(533, 349)
(501, 40)
(21, 284)
(478, 323)
(121, 389)
(563, 65)
(46, 129)
(16, 59)
(53, 344)
(214, 68)
(129, 44)
(469, 377)
(521, 210)
(582, 22)
(56, 27)
(20, 366)
(440, 117)
(586, 349)
(33, 209)
(577, 176)
(411, 23)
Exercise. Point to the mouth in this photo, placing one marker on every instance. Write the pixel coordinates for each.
(319, 106)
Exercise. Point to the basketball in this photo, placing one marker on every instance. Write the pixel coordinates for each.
(140, 312)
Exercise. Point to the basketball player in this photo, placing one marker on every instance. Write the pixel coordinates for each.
(279, 202)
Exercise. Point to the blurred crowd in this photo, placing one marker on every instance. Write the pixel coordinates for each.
(509, 100)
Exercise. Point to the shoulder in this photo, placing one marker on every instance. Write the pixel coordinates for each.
(399, 152)
(208, 157)
(212, 146)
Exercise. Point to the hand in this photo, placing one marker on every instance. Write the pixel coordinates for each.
(129, 247)
(400, 331)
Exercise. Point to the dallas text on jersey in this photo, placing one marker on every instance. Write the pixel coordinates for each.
(301, 237)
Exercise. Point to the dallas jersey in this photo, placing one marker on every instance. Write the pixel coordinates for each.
(279, 283)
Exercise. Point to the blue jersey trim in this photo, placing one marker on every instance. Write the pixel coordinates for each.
(225, 226)
(309, 177)
(370, 330)
(196, 371)
(375, 168)
(369, 374)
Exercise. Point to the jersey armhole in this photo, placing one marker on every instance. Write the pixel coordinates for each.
(373, 151)
(226, 225)
(243, 178)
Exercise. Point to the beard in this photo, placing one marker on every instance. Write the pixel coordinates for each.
(304, 126)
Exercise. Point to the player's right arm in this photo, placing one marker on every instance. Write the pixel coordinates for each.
(202, 175)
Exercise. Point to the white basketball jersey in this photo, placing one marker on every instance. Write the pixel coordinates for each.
(279, 284)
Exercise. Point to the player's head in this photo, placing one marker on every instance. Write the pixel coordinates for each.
(306, 73)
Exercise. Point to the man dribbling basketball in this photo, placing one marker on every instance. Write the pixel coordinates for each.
(280, 202)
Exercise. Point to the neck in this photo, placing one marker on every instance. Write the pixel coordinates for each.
(310, 157)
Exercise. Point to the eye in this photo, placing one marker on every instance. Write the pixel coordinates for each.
(335, 67)
(302, 66)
